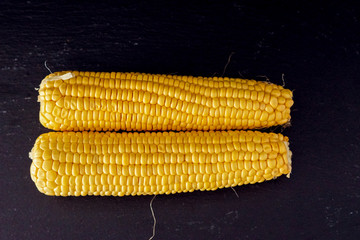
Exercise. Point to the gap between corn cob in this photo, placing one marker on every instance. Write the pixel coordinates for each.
(98, 101)
(118, 164)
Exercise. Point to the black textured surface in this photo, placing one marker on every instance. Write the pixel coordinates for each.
(316, 46)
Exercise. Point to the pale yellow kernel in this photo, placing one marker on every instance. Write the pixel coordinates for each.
(47, 165)
(61, 170)
(55, 166)
(49, 106)
(47, 154)
(68, 168)
(56, 111)
(51, 175)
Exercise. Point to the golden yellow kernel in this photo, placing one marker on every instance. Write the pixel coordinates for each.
(264, 116)
(47, 165)
(271, 163)
(289, 103)
(269, 109)
(276, 92)
(286, 93)
(274, 102)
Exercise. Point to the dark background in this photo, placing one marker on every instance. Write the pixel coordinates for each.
(315, 45)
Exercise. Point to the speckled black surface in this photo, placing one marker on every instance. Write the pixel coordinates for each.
(316, 46)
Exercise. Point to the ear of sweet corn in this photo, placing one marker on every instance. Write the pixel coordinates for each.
(118, 164)
(98, 101)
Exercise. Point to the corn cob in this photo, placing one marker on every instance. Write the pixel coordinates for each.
(118, 164)
(98, 101)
